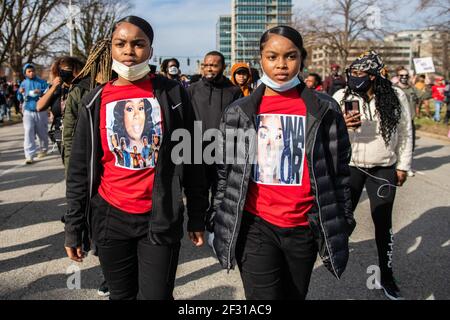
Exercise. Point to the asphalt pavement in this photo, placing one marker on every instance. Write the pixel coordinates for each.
(33, 264)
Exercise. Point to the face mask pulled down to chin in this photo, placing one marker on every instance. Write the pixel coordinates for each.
(132, 73)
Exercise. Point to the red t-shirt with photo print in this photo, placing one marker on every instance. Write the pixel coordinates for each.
(131, 134)
(279, 190)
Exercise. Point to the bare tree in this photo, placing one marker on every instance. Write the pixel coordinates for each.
(439, 19)
(95, 22)
(340, 24)
(28, 31)
(440, 12)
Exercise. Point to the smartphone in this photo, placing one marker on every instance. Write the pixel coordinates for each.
(351, 106)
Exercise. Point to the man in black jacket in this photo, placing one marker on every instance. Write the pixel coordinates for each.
(209, 98)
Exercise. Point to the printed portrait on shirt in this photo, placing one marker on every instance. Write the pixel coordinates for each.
(131, 126)
(280, 149)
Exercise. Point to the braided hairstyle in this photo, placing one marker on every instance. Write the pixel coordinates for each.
(99, 64)
(387, 103)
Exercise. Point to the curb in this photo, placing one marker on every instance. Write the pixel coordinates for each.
(432, 135)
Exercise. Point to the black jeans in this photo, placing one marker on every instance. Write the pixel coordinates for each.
(275, 263)
(133, 266)
(381, 210)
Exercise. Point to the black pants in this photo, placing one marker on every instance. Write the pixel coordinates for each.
(381, 210)
(211, 178)
(414, 135)
(275, 263)
(133, 267)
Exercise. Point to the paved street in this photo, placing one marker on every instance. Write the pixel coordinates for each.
(33, 263)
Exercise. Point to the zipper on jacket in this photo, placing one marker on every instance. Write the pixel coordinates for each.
(237, 216)
(317, 198)
(237, 209)
(91, 179)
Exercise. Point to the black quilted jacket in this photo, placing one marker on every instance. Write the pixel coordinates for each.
(328, 153)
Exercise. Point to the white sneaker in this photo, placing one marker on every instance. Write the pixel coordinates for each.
(411, 173)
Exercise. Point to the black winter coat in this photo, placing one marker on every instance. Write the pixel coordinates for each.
(85, 170)
(328, 153)
(209, 100)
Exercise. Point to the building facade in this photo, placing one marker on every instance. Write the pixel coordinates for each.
(398, 49)
(249, 20)
(223, 37)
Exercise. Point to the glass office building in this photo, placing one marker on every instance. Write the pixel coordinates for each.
(249, 20)
(223, 37)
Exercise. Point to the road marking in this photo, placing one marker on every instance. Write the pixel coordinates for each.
(446, 244)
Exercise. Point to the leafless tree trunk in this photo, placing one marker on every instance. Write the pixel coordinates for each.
(339, 24)
(440, 20)
(95, 22)
(28, 32)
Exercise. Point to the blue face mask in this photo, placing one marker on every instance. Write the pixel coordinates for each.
(280, 87)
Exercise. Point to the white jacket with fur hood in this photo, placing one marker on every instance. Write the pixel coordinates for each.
(368, 147)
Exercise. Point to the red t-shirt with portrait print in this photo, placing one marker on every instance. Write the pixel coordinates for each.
(279, 190)
(131, 129)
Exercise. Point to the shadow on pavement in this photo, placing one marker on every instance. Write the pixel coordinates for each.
(421, 150)
(91, 278)
(19, 180)
(34, 212)
(430, 163)
(421, 263)
(217, 293)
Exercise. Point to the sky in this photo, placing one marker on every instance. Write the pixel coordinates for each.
(188, 27)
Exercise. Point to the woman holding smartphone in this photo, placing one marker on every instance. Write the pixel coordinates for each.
(381, 137)
(290, 198)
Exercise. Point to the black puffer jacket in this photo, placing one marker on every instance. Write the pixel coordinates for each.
(328, 153)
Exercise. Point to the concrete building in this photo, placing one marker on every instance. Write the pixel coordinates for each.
(397, 49)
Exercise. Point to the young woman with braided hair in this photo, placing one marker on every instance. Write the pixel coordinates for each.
(378, 119)
(133, 214)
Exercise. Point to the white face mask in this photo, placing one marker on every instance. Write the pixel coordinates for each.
(132, 73)
(280, 87)
(173, 71)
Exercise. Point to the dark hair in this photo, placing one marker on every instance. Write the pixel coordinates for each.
(119, 125)
(195, 77)
(73, 63)
(138, 22)
(317, 78)
(218, 54)
(176, 62)
(165, 64)
(255, 74)
(289, 33)
(387, 105)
